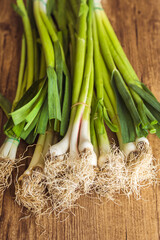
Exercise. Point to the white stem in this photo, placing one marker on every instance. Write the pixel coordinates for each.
(42, 5)
(13, 150)
(128, 148)
(61, 147)
(84, 135)
(97, 3)
(74, 136)
(102, 160)
(142, 139)
(85, 141)
(103, 155)
(6, 148)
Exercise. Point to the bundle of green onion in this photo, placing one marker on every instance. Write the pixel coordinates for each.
(53, 102)
(69, 164)
(134, 108)
(45, 79)
(9, 148)
(105, 92)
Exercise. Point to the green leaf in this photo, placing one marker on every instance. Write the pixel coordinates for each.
(30, 13)
(66, 102)
(43, 120)
(62, 73)
(126, 122)
(31, 138)
(8, 127)
(157, 130)
(141, 132)
(31, 92)
(152, 130)
(147, 89)
(59, 66)
(5, 104)
(18, 129)
(21, 114)
(150, 116)
(107, 120)
(54, 106)
(31, 116)
(146, 96)
(126, 96)
(146, 123)
(83, 8)
(17, 10)
(153, 111)
(25, 133)
(61, 14)
(27, 97)
(50, 5)
(144, 118)
(100, 108)
(56, 125)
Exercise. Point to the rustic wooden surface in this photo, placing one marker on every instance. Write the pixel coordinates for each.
(137, 24)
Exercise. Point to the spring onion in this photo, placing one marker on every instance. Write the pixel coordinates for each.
(75, 38)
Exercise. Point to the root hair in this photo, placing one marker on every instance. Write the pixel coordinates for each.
(141, 171)
(31, 192)
(111, 178)
(68, 177)
(6, 167)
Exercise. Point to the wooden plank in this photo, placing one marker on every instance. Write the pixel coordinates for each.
(137, 24)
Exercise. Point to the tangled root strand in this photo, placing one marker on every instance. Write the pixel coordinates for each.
(111, 177)
(31, 192)
(141, 171)
(6, 167)
(68, 178)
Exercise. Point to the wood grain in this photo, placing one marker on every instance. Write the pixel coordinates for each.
(137, 24)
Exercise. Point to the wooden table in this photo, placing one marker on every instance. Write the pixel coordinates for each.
(137, 24)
